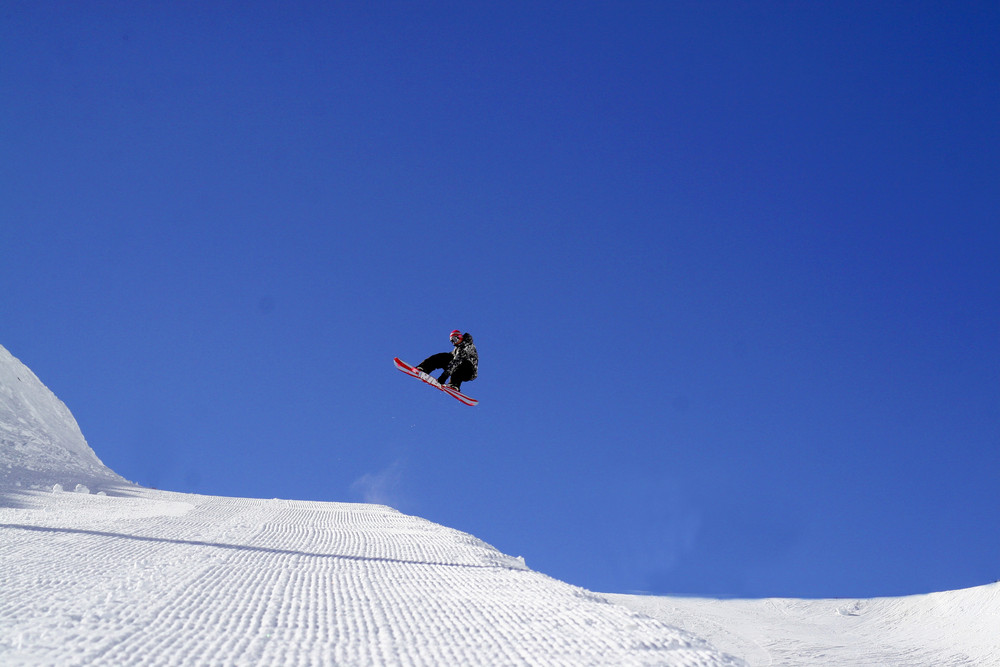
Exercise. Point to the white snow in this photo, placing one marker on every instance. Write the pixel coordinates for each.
(115, 574)
(949, 628)
(40, 442)
(163, 578)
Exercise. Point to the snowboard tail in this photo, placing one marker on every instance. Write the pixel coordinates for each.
(420, 375)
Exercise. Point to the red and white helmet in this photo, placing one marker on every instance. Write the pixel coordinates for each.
(455, 333)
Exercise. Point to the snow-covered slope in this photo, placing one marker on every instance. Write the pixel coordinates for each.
(40, 442)
(156, 578)
(133, 576)
(949, 628)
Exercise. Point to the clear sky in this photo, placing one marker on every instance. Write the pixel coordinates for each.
(733, 270)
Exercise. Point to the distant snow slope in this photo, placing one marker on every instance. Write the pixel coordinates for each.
(950, 628)
(40, 442)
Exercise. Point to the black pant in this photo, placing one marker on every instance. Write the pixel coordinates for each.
(441, 361)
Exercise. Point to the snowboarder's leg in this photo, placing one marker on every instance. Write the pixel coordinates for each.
(461, 374)
(435, 362)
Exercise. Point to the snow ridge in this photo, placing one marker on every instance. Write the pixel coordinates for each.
(40, 442)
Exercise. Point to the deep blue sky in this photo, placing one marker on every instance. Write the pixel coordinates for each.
(733, 269)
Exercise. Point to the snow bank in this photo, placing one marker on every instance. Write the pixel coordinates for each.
(40, 442)
(949, 628)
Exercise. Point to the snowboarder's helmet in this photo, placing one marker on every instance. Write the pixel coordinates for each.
(454, 334)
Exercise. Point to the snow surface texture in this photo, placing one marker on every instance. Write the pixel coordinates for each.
(131, 576)
(940, 629)
(161, 578)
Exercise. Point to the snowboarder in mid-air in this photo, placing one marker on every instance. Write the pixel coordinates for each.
(460, 365)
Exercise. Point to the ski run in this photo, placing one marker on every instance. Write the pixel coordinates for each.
(150, 578)
(95, 570)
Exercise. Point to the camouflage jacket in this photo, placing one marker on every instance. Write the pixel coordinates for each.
(465, 351)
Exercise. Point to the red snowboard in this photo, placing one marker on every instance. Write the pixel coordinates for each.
(410, 370)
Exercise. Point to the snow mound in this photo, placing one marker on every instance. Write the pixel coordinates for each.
(41, 445)
(947, 628)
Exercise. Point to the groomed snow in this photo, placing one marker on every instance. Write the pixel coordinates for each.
(95, 570)
(940, 629)
(157, 578)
